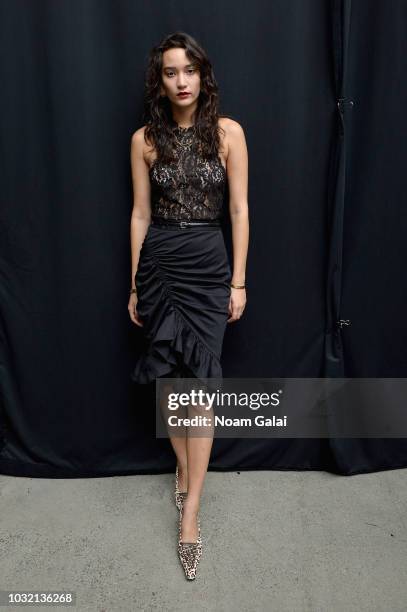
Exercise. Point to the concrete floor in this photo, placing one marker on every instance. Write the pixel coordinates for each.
(283, 541)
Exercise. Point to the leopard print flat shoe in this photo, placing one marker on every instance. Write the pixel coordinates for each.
(179, 495)
(189, 552)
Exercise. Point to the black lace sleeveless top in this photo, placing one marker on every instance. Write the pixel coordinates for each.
(189, 188)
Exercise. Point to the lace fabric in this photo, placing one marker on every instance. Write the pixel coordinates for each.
(189, 188)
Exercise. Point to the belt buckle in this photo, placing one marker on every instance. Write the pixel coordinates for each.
(183, 224)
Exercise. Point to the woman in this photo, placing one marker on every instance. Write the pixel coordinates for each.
(183, 292)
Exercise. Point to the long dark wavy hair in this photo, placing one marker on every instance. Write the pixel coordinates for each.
(157, 109)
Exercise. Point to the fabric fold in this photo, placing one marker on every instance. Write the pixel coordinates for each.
(183, 288)
(175, 343)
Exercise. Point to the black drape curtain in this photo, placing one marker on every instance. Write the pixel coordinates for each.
(319, 89)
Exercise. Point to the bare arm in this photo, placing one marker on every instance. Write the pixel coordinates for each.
(237, 169)
(141, 214)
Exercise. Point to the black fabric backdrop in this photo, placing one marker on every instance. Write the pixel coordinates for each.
(318, 87)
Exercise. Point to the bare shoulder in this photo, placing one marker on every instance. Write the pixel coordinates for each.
(140, 145)
(232, 128)
(137, 138)
(233, 140)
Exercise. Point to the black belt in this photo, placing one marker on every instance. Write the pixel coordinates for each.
(185, 224)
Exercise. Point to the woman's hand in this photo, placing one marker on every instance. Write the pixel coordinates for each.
(132, 307)
(237, 304)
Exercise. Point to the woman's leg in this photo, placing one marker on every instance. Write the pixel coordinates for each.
(193, 451)
(199, 446)
(179, 443)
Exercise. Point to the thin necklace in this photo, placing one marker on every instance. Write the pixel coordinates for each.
(188, 142)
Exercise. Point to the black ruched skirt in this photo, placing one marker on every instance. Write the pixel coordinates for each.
(183, 289)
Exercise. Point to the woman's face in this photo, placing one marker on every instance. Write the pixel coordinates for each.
(179, 74)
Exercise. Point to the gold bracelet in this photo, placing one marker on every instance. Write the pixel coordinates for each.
(133, 290)
(237, 286)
